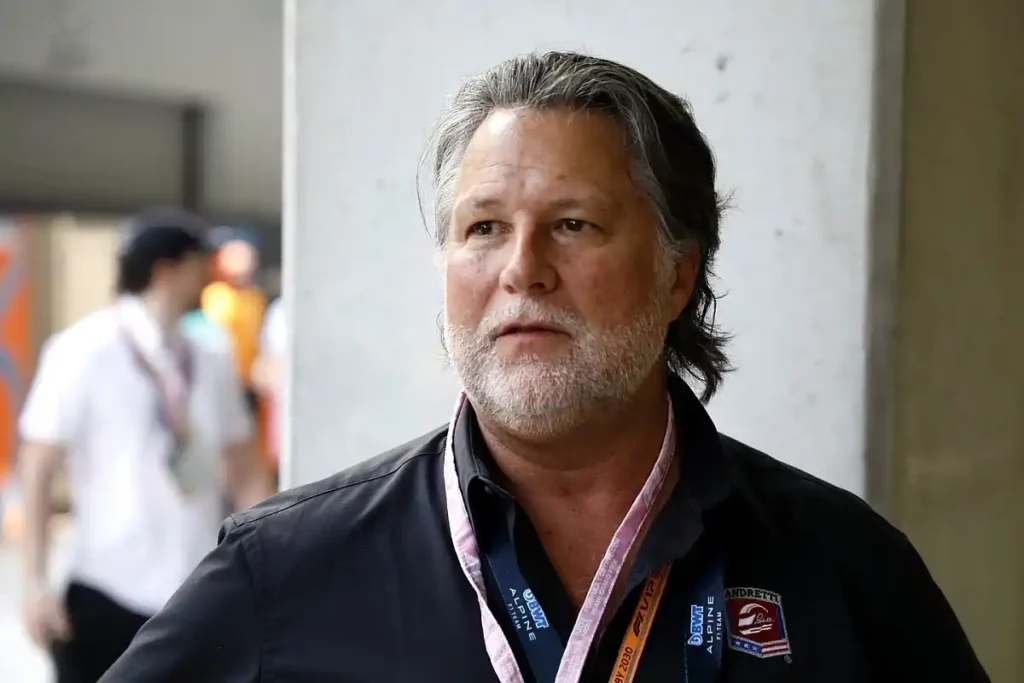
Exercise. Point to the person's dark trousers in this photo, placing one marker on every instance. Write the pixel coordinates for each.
(101, 630)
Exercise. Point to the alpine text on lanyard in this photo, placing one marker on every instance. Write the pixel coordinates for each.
(549, 660)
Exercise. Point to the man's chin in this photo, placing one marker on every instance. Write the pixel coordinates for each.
(526, 418)
(533, 392)
(513, 361)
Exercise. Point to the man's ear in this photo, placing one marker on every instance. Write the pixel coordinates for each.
(687, 267)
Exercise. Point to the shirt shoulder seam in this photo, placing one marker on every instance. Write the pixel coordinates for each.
(770, 464)
(859, 510)
(246, 520)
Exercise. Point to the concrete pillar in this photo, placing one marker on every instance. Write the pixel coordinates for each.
(783, 91)
(958, 465)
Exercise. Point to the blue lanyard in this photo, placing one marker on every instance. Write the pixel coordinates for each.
(544, 647)
(707, 623)
(542, 644)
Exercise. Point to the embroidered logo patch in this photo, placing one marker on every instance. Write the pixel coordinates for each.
(755, 622)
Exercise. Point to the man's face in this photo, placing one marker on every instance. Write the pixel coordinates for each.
(238, 261)
(558, 294)
(187, 278)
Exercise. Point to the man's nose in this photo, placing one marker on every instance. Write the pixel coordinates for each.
(529, 269)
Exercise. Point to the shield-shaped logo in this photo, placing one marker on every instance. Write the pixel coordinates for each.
(755, 622)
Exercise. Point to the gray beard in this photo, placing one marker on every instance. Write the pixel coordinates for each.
(535, 397)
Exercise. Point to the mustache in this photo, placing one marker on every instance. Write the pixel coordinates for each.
(529, 309)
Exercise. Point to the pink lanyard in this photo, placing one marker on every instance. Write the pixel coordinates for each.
(596, 602)
(174, 387)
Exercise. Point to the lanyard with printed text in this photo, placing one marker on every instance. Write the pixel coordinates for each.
(543, 648)
(541, 643)
(707, 623)
(589, 619)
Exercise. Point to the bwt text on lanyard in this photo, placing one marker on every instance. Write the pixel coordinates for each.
(549, 659)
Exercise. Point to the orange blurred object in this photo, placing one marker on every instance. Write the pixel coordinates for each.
(16, 347)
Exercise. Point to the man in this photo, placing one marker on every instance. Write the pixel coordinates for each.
(580, 518)
(234, 301)
(145, 421)
(237, 305)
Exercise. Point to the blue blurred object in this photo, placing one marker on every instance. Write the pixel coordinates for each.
(197, 326)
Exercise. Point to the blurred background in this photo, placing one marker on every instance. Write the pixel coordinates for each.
(106, 108)
(872, 264)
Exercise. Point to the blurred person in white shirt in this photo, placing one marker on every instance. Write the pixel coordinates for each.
(153, 429)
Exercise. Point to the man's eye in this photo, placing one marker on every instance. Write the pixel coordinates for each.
(573, 225)
(482, 229)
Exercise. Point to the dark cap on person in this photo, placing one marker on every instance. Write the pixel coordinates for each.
(165, 233)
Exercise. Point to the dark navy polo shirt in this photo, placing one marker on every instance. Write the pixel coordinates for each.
(354, 579)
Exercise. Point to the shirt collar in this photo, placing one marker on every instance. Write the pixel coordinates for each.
(708, 478)
(145, 332)
(139, 322)
(475, 467)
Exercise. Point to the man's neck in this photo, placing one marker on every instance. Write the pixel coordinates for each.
(611, 454)
(577, 489)
(164, 313)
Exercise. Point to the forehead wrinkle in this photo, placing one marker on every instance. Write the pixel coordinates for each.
(503, 160)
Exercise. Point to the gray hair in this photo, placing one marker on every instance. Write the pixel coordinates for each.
(672, 164)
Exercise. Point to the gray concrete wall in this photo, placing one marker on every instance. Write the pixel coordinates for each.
(223, 53)
(959, 424)
(783, 91)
